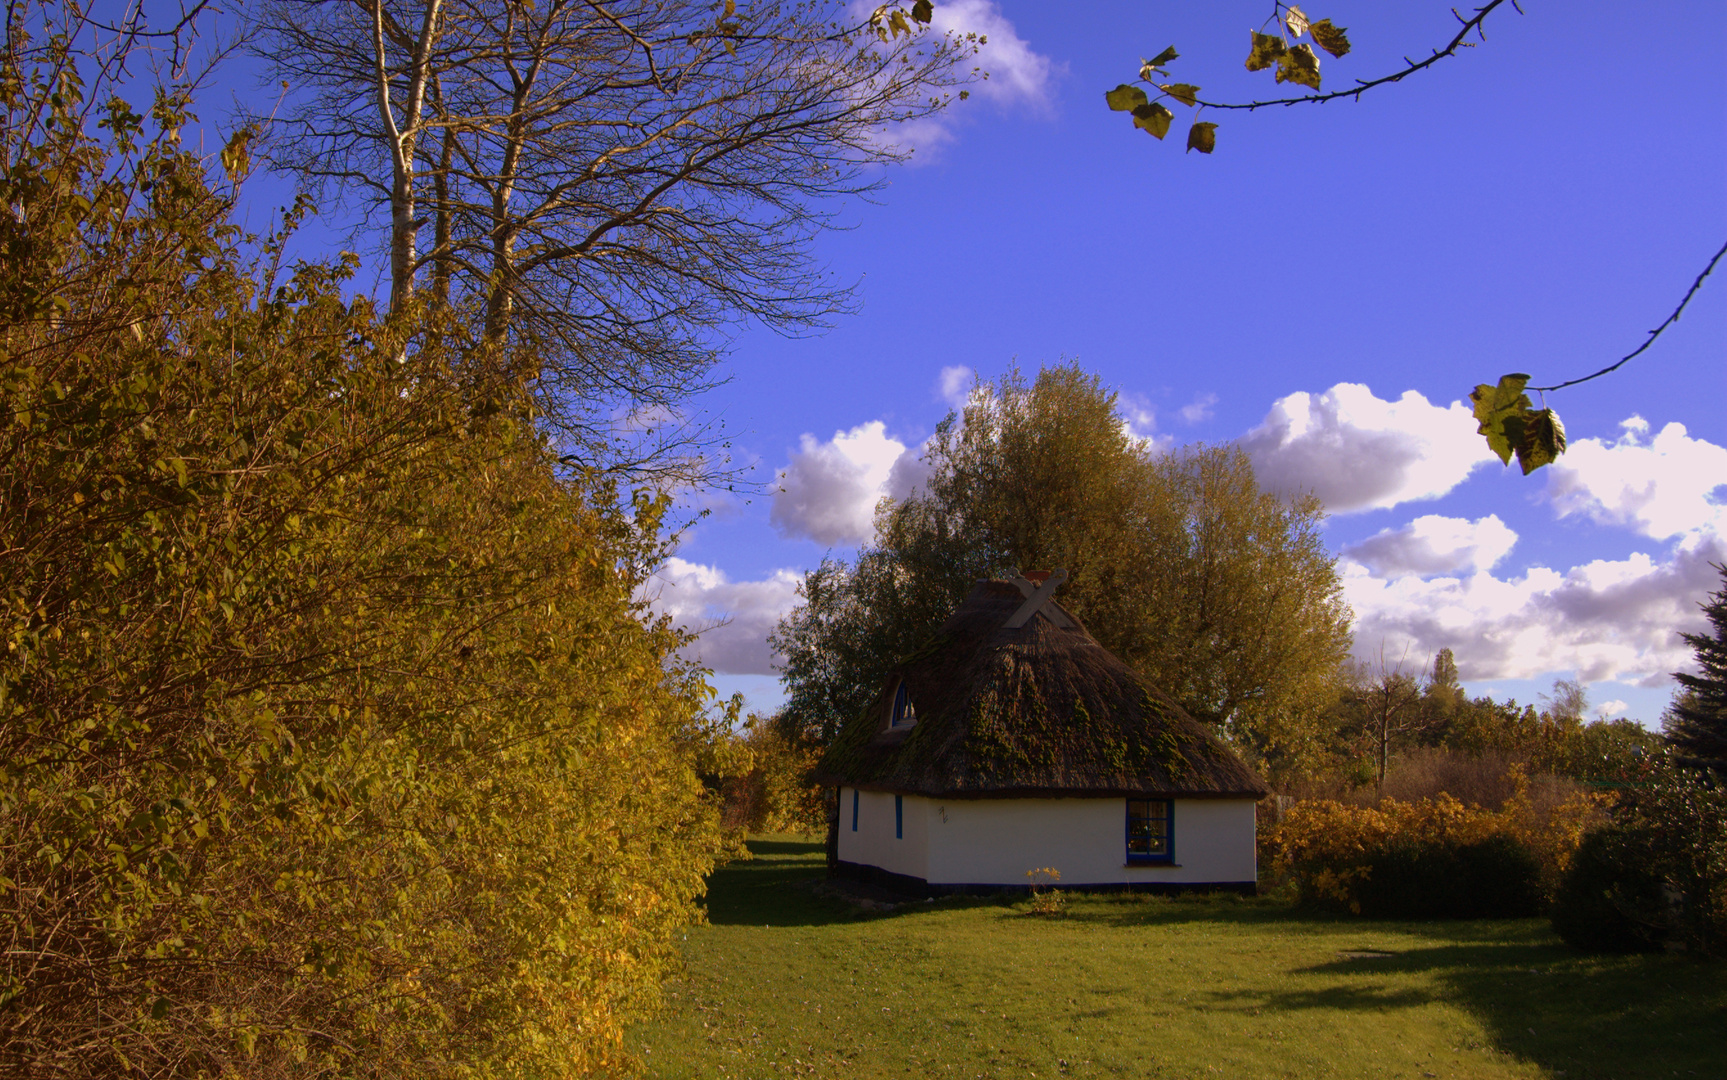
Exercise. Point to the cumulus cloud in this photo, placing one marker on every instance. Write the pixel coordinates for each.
(1606, 619)
(732, 618)
(829, 490)
(1609, 710)
(1433, 544)
(1358, 452)
(1668, 486)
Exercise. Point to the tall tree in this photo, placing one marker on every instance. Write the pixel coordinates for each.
(612, 184)
(334, 740)
(1221, 593)
(1697, 720)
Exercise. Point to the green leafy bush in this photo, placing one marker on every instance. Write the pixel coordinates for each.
(1612, 900)
(1658, 876)
(1496, 877)
(333, 740)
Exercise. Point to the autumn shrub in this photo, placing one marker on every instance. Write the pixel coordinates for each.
(1430, 857)
(1423, 772)
(776, 794)
(332, 739)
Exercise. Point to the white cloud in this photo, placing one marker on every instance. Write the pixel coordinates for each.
(733, 618)
(1017, 74)
(1668, 486)
(1199, 409)
(1358, 452)
(1012, 74)
(1607, 619)
(954, 385)
(1609, 710)
(1433, 544)
(828, 491)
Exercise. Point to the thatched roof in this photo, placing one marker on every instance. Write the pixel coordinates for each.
(1040, 710)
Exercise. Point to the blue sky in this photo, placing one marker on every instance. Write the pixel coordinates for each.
(1325, 288)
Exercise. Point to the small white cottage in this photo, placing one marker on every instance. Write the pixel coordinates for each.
(1014, 741)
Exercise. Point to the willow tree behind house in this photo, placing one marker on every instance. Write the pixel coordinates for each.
(1013, 741)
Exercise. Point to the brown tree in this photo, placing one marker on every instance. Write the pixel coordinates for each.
(610, 184)
(1219, 592)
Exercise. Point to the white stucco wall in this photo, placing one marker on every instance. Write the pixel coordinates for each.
(995, 841)
(873, 842)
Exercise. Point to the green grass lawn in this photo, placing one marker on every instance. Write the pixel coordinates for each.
(784, 982)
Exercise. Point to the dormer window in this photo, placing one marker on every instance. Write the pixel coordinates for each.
(904, 713)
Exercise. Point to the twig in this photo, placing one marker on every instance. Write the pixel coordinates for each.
(1653, 334)
(1356, 91)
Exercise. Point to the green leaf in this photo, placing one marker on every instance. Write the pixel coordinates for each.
(1154, 118)
(1202, 136)
(1268, 49)
(1296, 20)
(1299, 65)
(159, 1009)
(922, 11)
(1164, 57)
(1495, 407)
(1125, 98)
(1186, 93)
(1333, 39)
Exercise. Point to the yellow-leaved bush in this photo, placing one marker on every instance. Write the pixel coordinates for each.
(334, 739)
(1328, 849)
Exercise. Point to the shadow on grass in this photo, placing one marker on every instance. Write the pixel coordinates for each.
(774, 888)
(1579, 1016)
(1588, 1017)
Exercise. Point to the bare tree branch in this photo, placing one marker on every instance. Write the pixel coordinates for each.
(1653, 334)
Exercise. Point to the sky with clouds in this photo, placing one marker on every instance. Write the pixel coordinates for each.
(1323, 290)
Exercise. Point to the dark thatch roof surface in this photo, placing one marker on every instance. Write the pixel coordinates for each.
(1038, 710)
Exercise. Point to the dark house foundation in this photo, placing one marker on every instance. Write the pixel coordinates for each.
(917, 887)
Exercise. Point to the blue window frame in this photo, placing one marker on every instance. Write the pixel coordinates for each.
(854, 809)
(904, 714)
(1150, 830)
(899, 817)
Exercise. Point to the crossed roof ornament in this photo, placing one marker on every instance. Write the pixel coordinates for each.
(1038, 589)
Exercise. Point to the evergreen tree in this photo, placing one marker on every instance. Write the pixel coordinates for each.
(1697, 719)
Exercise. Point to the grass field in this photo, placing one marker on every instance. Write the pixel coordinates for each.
(787, 983)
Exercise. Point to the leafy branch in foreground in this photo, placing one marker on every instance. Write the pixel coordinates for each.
(1293, 61)
(1512, 425)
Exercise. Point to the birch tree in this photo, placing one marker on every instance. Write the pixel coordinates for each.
(611, 187)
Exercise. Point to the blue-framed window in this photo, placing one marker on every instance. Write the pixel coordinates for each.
(1150, 830)
(899, 817)
(854, 809)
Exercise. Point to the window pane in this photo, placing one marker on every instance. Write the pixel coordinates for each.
(1147, 828)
